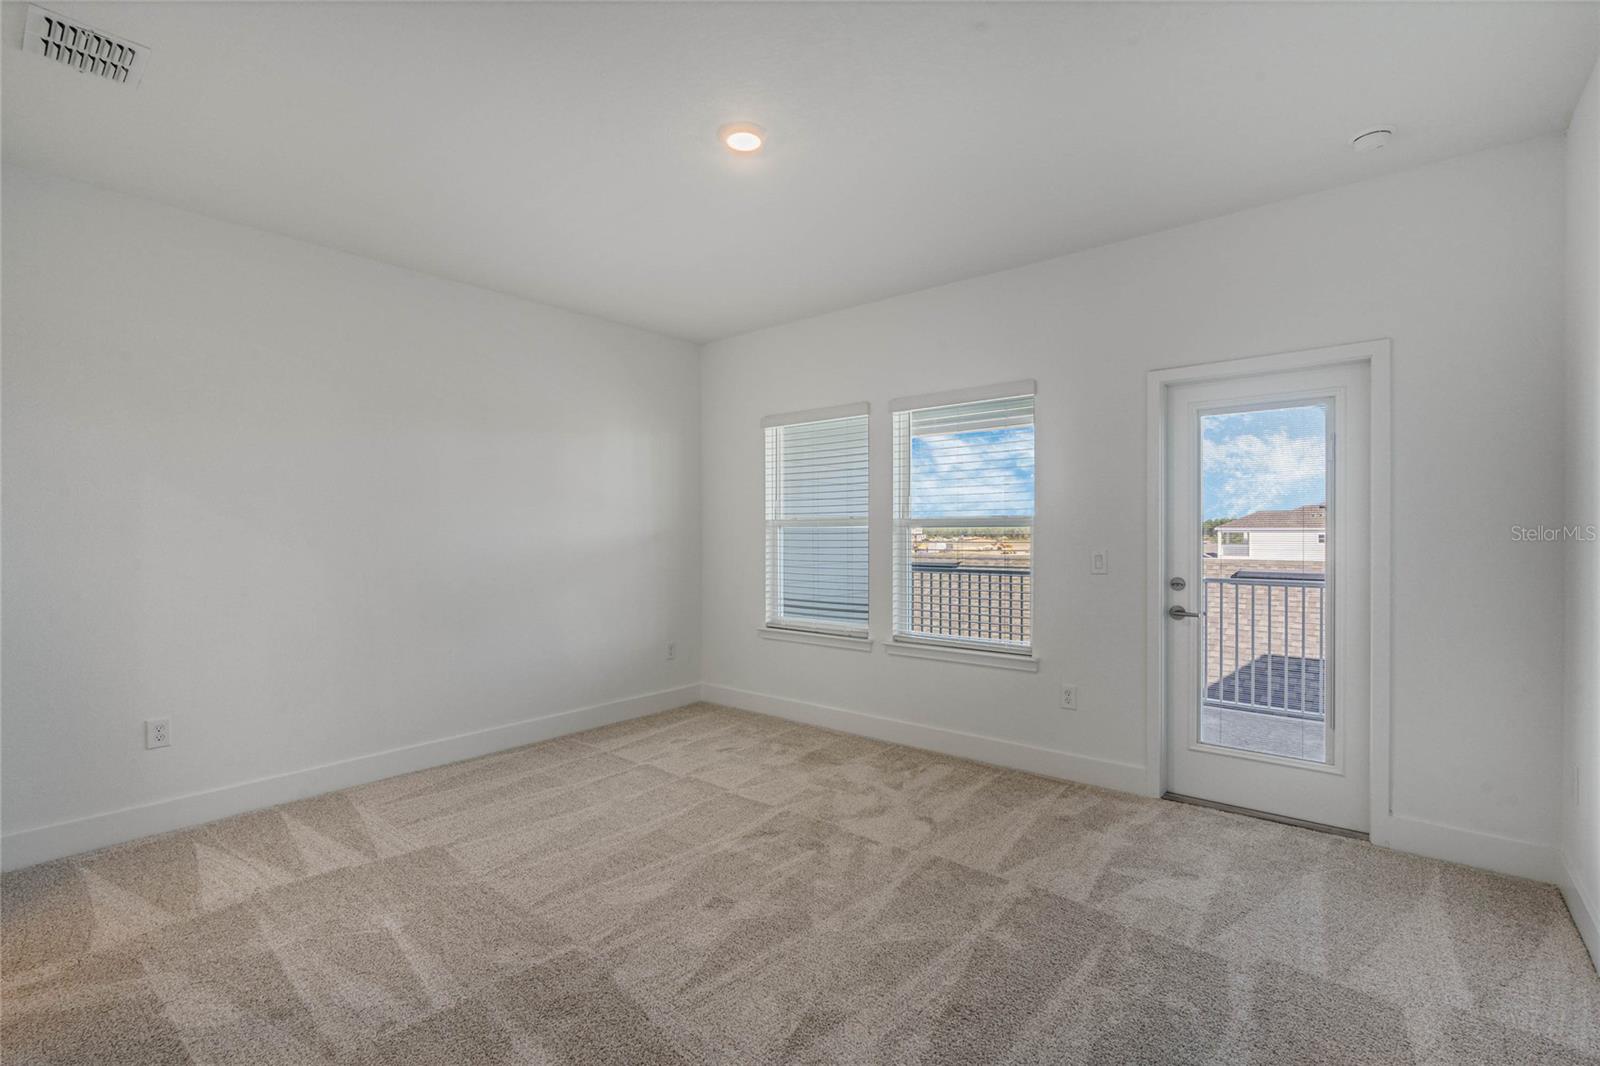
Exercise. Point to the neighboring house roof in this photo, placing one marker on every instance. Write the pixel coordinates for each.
(1311, 516)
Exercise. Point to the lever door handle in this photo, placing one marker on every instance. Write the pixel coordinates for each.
(1178, 613)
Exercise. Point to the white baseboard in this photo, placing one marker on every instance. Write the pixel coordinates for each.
(1125, 777)
(1508, 855)
(1584, 913)
(26, 847)
(1469, 847)
(1520, 858)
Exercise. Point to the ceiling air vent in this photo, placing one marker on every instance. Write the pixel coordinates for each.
(80, 48)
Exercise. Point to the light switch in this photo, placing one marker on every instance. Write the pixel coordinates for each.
(1099, 562)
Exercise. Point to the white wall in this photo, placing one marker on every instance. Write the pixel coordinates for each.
(312, 507)
(1294, 545)
(1460, 263)
(1580, 806)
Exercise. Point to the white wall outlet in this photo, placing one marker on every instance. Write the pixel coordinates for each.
(1099, 561)
(1069, 697)
(672, 650)
(157, 732)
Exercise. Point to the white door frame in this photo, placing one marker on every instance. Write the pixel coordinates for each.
(1376, 354)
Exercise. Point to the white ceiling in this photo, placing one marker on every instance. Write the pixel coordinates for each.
(567, 152)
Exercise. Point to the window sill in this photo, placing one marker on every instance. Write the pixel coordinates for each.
(970, 656)
(823, 640)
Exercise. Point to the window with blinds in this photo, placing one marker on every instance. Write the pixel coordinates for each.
(817, 521)
(963, 519)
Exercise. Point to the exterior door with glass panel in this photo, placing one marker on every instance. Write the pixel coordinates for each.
(1266, 591)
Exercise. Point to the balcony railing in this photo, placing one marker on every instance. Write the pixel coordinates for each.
(1263, 644)
(971, 602)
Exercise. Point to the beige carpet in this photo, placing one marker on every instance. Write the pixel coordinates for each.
(714, 886)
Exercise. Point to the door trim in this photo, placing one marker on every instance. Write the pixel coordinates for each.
(1376, 354)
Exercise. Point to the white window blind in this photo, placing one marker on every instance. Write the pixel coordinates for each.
(963, 519)
(817, 521)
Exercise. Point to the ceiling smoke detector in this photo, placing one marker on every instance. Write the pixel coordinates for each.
(1367, 140)
(83, 48)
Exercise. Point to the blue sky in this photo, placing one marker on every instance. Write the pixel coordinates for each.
(1262, 460)
(984, 471)
(1250, 461)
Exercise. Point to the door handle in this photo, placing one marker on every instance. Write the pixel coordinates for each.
(1178, 613)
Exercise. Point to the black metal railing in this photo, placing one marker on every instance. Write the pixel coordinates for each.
(972, 602)
(1263, 641)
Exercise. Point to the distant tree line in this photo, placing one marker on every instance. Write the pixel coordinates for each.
(949, 532)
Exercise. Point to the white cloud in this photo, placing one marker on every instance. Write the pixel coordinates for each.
(1251, 472)
(973, 473)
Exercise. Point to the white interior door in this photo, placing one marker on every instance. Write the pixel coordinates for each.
(1267, 589)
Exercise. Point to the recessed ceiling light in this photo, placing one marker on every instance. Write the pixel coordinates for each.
(744, 138)
(1367, 140)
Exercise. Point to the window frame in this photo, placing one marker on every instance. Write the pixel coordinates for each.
(1223, 544)
(774, 624)
(902, 640)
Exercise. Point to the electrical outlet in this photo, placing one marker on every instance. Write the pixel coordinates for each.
(1069, 697)
(157, 732)
(672, 650)
(1099, 561)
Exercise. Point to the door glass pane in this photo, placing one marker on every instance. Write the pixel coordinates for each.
(1264, 562)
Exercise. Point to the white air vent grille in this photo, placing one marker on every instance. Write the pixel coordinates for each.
(85, 50)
